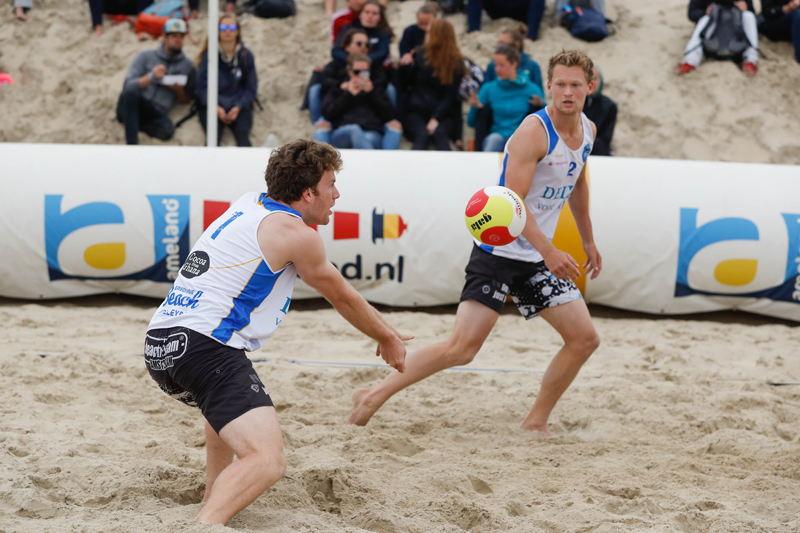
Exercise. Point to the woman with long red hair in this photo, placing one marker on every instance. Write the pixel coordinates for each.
(431, 76)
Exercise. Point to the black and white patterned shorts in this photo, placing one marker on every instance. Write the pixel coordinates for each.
(490, 279)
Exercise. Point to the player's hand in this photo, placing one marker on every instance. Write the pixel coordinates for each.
(536, 100)
(393, 351)
(562, 265)
(594, 263)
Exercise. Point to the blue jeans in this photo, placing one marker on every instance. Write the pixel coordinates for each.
(315, 100)
(352, 136)
(494, 142)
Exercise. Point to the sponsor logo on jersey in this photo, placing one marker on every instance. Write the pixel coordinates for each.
(734, 256)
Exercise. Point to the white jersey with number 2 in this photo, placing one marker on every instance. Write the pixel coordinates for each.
(552, 185)
(226, 289)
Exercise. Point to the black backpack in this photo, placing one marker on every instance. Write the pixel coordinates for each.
(724, 38)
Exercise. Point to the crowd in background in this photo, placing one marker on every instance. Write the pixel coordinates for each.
(364, 98)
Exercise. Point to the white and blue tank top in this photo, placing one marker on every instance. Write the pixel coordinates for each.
(553, 181)
(226, 289)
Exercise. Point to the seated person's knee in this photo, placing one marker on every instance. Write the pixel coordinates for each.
(322, 125)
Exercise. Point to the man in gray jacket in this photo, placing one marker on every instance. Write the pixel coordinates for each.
(155, 82)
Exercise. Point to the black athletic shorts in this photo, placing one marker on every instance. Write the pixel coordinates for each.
(490, 279)
(200, 372)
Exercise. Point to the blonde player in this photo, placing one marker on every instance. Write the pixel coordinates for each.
(544, 164)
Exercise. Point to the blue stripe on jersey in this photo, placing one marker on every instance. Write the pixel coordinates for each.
(270, 204)
(552, 136)
(258, 287)
(486, 248)
(503, 173)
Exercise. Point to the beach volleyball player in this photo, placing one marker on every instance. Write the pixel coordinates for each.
(544, 164)
(230, 295)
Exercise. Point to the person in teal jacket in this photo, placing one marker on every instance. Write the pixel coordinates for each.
(515, 38)
(511, 98)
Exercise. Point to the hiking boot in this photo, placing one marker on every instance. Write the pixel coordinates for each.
(749, 68)
(685, 68)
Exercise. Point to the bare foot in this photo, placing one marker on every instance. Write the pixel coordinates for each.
(98, 31)
(20, 13)
(540, 429)
(362, 411)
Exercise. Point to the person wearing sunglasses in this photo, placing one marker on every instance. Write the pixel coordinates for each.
(359, 114)
(237, 83)
(334, 74)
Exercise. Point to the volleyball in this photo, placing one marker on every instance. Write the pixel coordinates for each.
(495, 216)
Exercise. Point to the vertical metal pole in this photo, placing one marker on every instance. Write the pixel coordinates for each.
(213, 72)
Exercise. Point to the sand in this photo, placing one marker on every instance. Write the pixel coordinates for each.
(670, 427)
(67, 84)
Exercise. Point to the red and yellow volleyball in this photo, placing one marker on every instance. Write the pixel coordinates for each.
(495, 216)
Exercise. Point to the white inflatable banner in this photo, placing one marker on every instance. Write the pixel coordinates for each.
(676, 236)
(687, 237)
(82, 219)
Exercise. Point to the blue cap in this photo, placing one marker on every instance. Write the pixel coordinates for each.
(174, 26)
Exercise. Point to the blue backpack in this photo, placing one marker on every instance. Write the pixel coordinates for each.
(586, 24)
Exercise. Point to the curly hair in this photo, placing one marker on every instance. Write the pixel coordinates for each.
(571, 58)
(297, 166)
(442, 52)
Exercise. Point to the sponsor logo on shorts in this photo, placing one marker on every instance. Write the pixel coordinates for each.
(254, 388)
(74, 250)
(486, 289)
(161, 352)
(728, 256)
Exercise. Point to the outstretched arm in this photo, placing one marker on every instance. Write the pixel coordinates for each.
(526, 148)
(305, 249)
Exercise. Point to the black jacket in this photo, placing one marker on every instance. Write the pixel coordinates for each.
(601, 110)
(773, 9)
(697, 8)
(413, 36)
(335, 73)
(369, 110)
(424, 93)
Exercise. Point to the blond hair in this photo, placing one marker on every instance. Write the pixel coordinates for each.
(571, 58)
